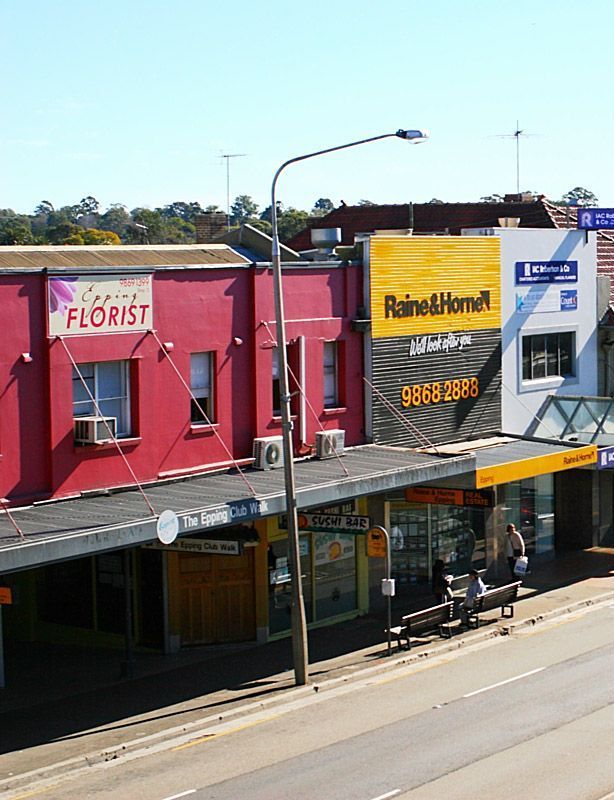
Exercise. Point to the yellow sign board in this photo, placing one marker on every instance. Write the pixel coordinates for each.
(540, 465)
(376, 543)
(434, 285)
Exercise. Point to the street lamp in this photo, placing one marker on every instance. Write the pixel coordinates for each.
(298, 621)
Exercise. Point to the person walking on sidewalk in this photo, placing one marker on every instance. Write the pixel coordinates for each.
(475, 589)
(515, 547)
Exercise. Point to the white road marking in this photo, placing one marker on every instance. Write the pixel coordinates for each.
(392, 794)
(183, 794)
(502, 683)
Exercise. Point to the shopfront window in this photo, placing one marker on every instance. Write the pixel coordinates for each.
(529, 504)
(328, 571)
(423, 532)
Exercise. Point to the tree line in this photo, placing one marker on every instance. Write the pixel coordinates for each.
(85, 222)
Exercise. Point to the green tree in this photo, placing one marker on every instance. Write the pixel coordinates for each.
(262, 225)
(322, 207)
(290, 222)
(579, 197)
(491, 198)
(43, 208)
(243, 209)
(116, 218)
(92, 236)
(185, 211)
(87, 206)
(365, 203)
(15, 228)
(151, 228)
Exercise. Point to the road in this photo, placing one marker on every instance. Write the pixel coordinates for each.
(529, 715)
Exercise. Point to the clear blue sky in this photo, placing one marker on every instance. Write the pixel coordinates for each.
(133, 102)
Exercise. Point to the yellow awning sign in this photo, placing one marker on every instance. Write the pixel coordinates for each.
(539, 465)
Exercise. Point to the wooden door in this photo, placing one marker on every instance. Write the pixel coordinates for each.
(216, 598)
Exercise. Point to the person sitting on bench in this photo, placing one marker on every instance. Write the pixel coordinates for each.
(475, 589)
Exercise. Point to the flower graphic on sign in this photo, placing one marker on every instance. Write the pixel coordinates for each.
(61, 293)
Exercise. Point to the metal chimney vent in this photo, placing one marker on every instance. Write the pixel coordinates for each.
(325, 239)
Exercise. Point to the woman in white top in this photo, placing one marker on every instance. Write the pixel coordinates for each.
(515, 547)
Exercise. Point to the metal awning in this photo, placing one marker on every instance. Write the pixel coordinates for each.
(524, 458)
(505, 458)
(82, 526)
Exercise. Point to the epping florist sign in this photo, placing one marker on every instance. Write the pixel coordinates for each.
(105, 304)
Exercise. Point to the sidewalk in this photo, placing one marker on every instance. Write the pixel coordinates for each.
(88, 710)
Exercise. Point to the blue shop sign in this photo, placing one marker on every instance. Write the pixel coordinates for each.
(531, 272)
(605, 458)
(595, 218)
(569, 299)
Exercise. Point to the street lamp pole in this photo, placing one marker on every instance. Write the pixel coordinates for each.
(298, 620)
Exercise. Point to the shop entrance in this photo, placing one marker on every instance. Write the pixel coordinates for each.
(213, 597)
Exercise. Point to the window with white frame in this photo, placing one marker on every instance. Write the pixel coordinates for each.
(331, 375)
(547, 355)
(108, 383)
(201, 385)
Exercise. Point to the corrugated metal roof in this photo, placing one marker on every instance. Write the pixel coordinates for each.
(65, 529)
(69, 257)
(518, 450)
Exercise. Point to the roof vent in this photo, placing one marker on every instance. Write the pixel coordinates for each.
(325, 240)
(509, 222)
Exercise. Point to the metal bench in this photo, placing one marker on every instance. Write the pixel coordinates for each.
(502, 597)
(434, 618)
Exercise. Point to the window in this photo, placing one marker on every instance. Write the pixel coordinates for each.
(201, 385)
(331, 372)
(109, 384)
(292, 357)
(276, 384)
(548, 355)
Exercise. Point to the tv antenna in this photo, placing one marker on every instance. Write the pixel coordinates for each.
(228, 156)
(519, 132)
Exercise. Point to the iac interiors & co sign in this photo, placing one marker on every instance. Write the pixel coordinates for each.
(87, 304)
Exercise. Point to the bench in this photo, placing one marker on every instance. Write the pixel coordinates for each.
(436, 617)
(502, 597)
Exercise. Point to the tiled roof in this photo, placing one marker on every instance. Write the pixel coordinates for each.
(451, 218)
(427, 218)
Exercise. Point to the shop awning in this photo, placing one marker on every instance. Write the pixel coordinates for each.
(520, 459)
(502, 459)
(82, 526)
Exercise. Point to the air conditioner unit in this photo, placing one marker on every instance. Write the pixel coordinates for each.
(92, 430)
(330, 443)
(268, 452)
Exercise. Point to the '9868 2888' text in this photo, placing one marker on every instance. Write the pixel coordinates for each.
(424, 394)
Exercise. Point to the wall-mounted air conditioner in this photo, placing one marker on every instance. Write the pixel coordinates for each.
(330, 443)
(92, 430)
(268, 452)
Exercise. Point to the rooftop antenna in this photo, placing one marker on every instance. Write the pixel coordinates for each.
(516, 135)
(228, 156)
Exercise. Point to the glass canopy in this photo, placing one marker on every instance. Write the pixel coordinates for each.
(576, 419)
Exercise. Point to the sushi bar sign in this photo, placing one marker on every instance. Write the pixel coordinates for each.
(84, 304)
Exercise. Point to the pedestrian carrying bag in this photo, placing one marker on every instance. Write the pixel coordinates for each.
(520, 567)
